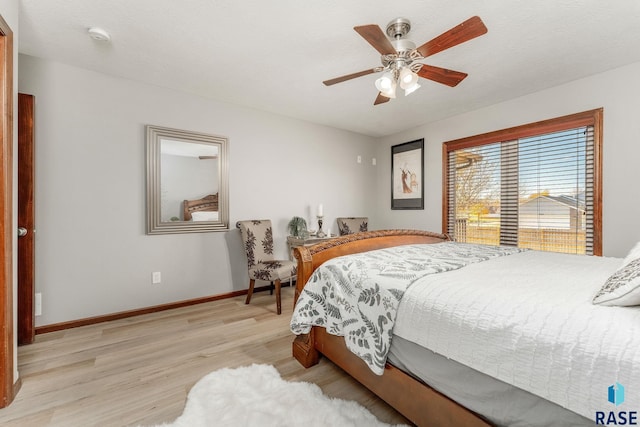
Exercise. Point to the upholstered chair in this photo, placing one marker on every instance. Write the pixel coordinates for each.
(352, 225)
(257, 238)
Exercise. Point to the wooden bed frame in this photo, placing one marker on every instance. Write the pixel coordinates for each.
(206, 204)
(412, 398)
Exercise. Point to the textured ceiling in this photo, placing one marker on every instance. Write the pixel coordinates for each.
(273, 55)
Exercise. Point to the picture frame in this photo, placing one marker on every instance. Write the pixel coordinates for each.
(407, 175)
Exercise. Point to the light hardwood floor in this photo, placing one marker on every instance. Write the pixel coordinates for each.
(137, 371)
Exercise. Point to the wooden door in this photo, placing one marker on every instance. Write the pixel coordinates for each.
(26, 224)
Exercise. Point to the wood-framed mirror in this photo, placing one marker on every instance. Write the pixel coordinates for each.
(187, 181)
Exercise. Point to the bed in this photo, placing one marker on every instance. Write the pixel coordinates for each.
(204, 209)
(530, 387)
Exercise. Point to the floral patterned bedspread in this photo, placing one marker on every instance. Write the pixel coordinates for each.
(357, 296)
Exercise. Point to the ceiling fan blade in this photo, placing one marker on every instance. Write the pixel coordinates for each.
(469, 29)
(441, 75)
(376, 38)
(350, 76)
(380, 99)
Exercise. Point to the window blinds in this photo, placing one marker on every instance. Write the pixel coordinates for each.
(534, 192)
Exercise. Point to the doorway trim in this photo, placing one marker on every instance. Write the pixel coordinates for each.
(8, 388)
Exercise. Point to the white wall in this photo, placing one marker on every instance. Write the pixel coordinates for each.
(92, 254)
(618, 91)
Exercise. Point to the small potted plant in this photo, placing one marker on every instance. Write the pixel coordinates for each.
(298, 227)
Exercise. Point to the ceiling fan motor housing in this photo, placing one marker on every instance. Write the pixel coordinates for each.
(403, 45)
(398, 28)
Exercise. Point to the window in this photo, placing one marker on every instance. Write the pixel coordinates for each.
(535, 186)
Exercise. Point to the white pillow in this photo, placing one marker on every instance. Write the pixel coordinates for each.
(634, 253)
(622, 287)
(204, 216)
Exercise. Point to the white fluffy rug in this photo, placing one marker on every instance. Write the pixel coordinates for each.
(256, 396)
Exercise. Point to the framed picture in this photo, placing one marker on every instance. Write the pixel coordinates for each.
(407, 175)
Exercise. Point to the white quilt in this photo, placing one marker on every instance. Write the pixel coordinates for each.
(527, 319)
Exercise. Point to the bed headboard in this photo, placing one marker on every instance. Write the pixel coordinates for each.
(206, 204)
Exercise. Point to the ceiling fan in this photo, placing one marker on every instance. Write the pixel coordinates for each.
(399, 56)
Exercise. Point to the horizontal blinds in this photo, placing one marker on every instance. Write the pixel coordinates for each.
(451, 206)
(589, 194)
(509, 193)
(553, 175)
(534, 192)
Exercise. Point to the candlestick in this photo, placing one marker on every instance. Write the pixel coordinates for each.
(320, 212)
(320, 233)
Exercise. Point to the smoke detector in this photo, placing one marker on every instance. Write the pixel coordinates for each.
(99, 34)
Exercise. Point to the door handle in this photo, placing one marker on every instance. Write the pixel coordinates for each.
(22, 231)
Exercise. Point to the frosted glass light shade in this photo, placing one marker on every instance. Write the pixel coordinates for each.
(408, 78)
(385, 82)
(391, 93)
(410, 89)
(386, 85)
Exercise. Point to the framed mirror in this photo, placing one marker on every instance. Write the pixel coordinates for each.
(187, 181)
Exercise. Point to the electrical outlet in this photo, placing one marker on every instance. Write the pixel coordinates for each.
(156, 277)
(359, 159)
(38, 304)
(373, 161)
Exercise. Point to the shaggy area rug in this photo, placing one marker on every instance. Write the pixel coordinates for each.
(256, 396)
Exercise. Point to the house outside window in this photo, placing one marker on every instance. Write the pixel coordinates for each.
(535, 186)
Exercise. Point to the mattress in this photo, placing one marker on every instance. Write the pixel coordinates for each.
(528, 321)
(500, 403)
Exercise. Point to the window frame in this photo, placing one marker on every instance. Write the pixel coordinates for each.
(585, 118)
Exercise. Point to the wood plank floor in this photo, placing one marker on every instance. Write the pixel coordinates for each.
(137, 371)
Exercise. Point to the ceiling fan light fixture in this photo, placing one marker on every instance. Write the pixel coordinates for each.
(385, 83)
(410, 89)
(391, 92)
(407, 78)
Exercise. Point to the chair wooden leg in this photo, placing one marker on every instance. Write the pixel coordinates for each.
(278, 300)
(252, 283)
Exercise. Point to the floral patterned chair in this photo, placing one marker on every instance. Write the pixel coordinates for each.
(257, 237)
(352, 225)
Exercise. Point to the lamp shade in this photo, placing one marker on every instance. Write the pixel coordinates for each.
(386, 85)
(391, 93)
(408, 78)
(385, 82)
(410, 89)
